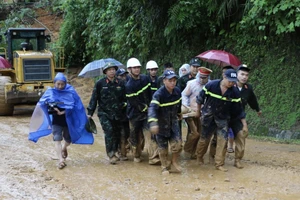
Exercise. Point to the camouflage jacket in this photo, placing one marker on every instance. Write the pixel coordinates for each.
(110, 97)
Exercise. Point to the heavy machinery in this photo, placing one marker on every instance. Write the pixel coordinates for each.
(33, 67)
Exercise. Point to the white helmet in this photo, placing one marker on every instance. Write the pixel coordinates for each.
(151, 65)
(133, 62)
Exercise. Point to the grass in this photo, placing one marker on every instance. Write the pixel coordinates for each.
(274, 140)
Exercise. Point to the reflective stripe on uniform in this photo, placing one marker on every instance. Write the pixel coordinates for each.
(166, 104)
(138, 92)
(152, 120)
(219, 96)
(153, 88)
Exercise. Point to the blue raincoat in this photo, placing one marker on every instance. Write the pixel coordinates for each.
(41, 121)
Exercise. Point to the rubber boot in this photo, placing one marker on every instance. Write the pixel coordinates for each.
(165, 165)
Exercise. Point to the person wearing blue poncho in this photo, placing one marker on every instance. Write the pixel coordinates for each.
(60, 112)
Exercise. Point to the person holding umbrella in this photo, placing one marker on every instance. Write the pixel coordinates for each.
(109, 95)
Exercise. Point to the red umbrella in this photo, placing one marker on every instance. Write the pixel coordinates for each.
(220, 58)
(4, 63)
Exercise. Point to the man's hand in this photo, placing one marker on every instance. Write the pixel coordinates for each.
(198, 114)
(89, 116)
(59, 112)
(245, 128)
(179, 116)
(154, 129)
(259, 113)
(245, 131)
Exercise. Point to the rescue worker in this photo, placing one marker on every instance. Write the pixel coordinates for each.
(220, 100)
(152, 148)
(163, 115)
(109, 95)
(167, 66)
(189, 100)
(152, 69)
(138, 93)
(122, 74)
(182, 81)
(248, 97)
(213, 143)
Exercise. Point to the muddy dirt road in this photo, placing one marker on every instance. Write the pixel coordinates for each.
(28, 170)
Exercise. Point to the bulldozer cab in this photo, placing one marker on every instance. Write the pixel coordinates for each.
(33, 67)
(25, 39)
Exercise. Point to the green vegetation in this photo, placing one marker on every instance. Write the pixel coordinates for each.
(265, 34)
(274, 140)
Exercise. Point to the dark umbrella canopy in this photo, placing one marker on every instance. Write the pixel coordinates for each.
(4, 63)
(95, 68)
(220, 58)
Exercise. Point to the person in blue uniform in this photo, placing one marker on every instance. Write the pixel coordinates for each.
(138, 94)
(163, 115)
(219, 101)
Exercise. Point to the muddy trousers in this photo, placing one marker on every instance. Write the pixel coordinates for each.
(220, 150)
(125, 131)
(194, 135)
(176, 148)
(208, 130)
(240, 142)
(173, 142)
(151, 147)
(112, 131)
(239, 138)
(136, 138)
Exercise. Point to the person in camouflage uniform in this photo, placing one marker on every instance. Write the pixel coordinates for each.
(163, 114)
(109, 94)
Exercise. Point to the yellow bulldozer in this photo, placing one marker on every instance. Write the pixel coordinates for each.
(32, 68)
